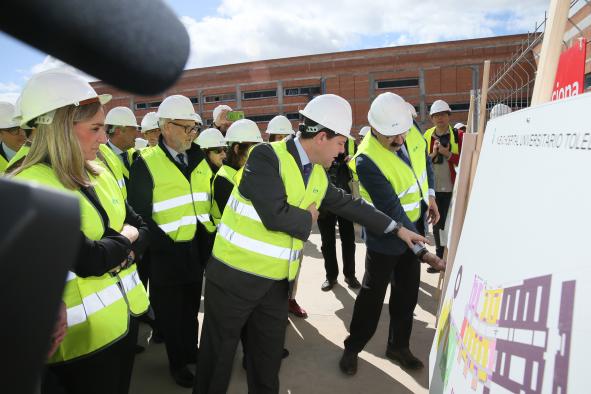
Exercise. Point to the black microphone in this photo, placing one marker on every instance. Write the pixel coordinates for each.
(136, 45)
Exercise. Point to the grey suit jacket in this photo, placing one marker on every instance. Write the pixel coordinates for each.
(261, 183)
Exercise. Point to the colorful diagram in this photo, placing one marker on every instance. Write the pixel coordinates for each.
(503, 338)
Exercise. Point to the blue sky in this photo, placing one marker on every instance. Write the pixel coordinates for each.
(232, 31)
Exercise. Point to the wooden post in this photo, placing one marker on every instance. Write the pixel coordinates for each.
(551, 48)
(470, 120)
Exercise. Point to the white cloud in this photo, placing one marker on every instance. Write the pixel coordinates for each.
(262, 29)
(9, 91)
(50, 63)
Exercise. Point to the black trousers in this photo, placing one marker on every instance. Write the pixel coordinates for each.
(327, 223)
(443, 200)
(176, 308)
(379, 269)
(107, 371)
(225, 315)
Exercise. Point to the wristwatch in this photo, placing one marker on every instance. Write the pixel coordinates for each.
(397, 228)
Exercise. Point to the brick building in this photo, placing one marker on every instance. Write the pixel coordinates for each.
(262, 89)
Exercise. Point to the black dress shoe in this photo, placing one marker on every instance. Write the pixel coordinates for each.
(353, 282)
(432, 270)
(348, 363)
(404, 357)
(328, 285)
(183, 377)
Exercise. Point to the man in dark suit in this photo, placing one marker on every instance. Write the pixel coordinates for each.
(170, 188)
(249, 274)
(393, 167)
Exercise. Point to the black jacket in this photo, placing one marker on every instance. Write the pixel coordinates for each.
(170, 262)
(95, 258)
(261, 183)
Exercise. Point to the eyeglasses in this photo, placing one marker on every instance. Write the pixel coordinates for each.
(188, 129)
(13, 131)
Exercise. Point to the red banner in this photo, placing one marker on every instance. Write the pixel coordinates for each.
(570, 76)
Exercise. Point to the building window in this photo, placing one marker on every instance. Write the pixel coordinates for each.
(153, 104)
(293, 116)
(261, 118)
(216, 98)
(259, 94)
(194, 99)
(398, 83)
(308, 91)
(459, 107)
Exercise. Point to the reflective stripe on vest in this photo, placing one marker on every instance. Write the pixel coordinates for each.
(244, 243)
(134, 290)
(229, 174)
(98, 312)
(409, 188)
(177, 203)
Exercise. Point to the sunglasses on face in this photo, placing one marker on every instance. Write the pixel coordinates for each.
(217, 150)
(13, 131)
(188, 129)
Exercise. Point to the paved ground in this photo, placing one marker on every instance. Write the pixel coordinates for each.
(316, 343)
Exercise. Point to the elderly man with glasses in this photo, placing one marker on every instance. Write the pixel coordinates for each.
(170, 188)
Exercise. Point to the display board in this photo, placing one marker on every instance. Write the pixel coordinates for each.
(515, 316)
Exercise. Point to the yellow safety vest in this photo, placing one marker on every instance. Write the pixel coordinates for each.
(228, 173)
(409, 183)
(452, 140)
(3, 164)
(114, 165)
(20, 154)
(242, 240)
(97, 307)
(178, 204)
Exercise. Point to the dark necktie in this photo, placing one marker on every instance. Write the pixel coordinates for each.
(307, 170)
(125, 160)
(403, 156)
(181, 159)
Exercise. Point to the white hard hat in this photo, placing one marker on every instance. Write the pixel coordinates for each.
(243, 130)
(121, 116)
(439, 106)
(364, 130)
(500, 109)
(389, 115)
(18, 114)
(140, 143)
(218, 110)
(198, 120)
(330, 111)
(280, 125)
(7, 115)
(210, 138)
(49, 90)
(459, 125)
(176, 107)
(150, 122)
(412, 109)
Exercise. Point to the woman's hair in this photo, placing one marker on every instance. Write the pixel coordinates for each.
(57, 145)
(232, 158)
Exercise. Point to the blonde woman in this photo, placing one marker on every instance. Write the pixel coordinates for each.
(103, 289)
